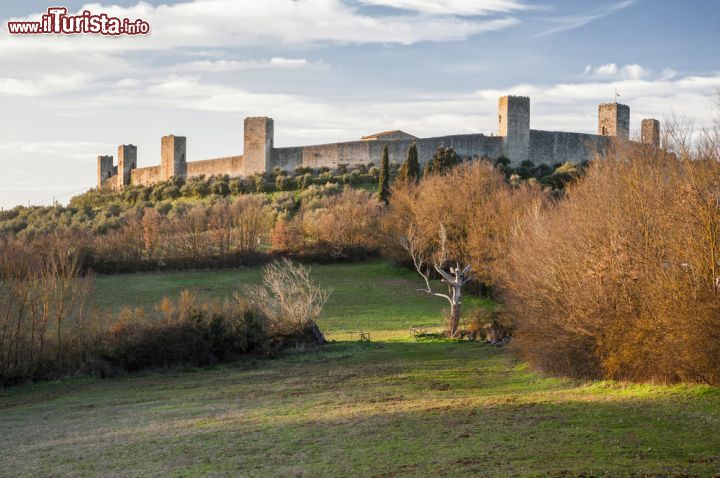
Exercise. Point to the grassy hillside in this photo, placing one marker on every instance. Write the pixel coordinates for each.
(392, 407)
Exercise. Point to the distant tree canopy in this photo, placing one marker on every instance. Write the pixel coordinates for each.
(443, 160)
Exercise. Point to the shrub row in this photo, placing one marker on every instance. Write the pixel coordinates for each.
(49, 329)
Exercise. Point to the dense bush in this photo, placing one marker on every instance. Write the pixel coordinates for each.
(47, 329)
(620, 280)
(190, 333)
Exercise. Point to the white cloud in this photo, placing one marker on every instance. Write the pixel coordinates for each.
(37, 172)
(190, 92)
(287, 61)
(633, 72)
(82, 150)
(668, 73)
(571, 22)
(451, 7)
(240, 65)
(68, 63)
(128, 83)
(44, 85)
(611, 70)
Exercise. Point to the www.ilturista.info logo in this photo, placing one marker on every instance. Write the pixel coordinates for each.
(57, 21)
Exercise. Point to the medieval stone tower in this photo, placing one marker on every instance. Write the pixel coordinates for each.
(127, 161)
(258, 145)
(614, 120)
(173, 157)
(650, 132)
(105, 168)
(514, 124)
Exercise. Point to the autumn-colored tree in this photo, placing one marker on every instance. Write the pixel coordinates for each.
(280, 238)
(191, 228)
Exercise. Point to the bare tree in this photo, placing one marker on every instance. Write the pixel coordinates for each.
(151, 222)
(220, 226)
(191, 228)
(44, 323)
(455, 279)
(291, 300)
(251, 222)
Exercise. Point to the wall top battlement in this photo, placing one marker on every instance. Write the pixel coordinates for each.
(514, 141)
(258, 119)
(614, 104)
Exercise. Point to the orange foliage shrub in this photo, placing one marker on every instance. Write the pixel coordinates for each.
(621, 279)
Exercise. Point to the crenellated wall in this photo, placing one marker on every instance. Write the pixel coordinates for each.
(363, 152)
(232, 166)
(145, 176)
(465, 145)
(515, 141)
(551, 147)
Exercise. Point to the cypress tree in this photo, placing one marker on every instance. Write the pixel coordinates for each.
(410, 170)
(384, 183)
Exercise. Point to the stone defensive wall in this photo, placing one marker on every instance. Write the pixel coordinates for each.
(231, 165)
(353, 153)
(551, 147)
(145, 176)
(515, 141)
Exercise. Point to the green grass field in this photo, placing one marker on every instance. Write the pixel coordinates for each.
(392, 407)
(371, 296)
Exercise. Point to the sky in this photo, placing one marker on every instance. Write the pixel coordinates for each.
(333, 70)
